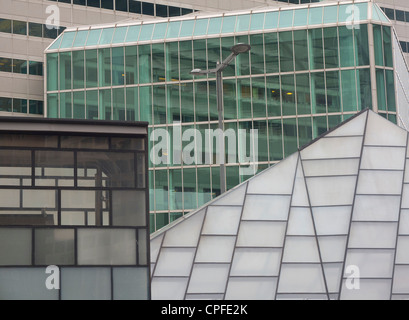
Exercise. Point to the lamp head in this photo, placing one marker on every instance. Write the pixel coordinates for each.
(196, 72)
(240, 48)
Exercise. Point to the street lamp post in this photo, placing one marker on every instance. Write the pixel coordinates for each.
(235, 51)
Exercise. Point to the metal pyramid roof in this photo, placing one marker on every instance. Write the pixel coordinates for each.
(303, 229)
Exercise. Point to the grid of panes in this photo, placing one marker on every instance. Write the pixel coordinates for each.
(133, 6)
(21, 66)
(31, 29)
(77, 202)
(384, 70)
(396, 14)
(19, 105)
(291, 95)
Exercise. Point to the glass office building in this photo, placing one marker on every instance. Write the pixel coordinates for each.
(74, 210)
(310, 67)
(331, 221)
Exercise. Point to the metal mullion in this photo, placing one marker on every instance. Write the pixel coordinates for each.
(286, 227)
(399, 219)
(353, 205)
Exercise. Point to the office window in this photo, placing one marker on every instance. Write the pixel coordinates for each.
(35, 29)
(19, 27)
(135, 6)
(94, 3)
(148, 8)
(50, 31)
(19, 66)
(20, 105)
(107, 4)
(5, 25)
(36, 107)
(400, 15)
(121, 5)
(35, 68)
(5, 64)
(6, 104)
(390, 13)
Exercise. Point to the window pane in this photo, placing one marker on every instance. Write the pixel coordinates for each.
(92, 104)
(364, 94)
(333, 92)
(15, 246)
(387, 46)
(346, 47)
(377, 32)
(303, 94)
(20, 105)
(65, 105)
(54, 247)
(132, 113)
(121, 5)
(158, 63)
(148, 8)
(318, 92)
(380, 89)
(273, 96)
(118, 97)
(104, 61)
(5, 25)
(271, 52)
(5, 65)
(331, 47)
(349, 93)
(35, 29)
(36, 107)
(6, 104)
(146, 32)
(361, 45)
(316, 49)
(286, 51)
(54, 168)
(106, 247)
(78, 69)
(80, 38)
(65, 70)
(131, 64)
(242, 60)
(105, 106)
(275, 139)
(35, 68)
(301, 54)
(257, 54)
(112, 169)
(79, 105)
(118, 73)
(93, 37)
(107, 4)
(50, 31)
(186, 59)
(145, 103)
(19, 27)
(52, 105)
(128, 208)
(144, 64)
(20, 66)
(288, 94)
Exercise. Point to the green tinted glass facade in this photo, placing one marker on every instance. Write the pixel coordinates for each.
(308, 70)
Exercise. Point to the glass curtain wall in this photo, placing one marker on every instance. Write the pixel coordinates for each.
(292, 86)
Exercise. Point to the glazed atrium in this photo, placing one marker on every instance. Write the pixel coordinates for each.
(310, 67)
